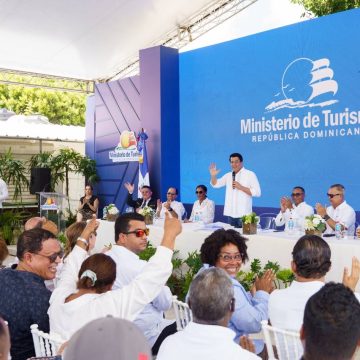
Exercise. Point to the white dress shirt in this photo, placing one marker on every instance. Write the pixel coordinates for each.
(150, 321)
(126, 303)
(203, 342)
(237, 202)
(177, 206)
(286, 306)
(4, 194)
(343, 214)
(297, 213)
(205, 210)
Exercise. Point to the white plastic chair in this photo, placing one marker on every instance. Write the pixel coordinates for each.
(183, 313)
(288, 344)
(44, 344)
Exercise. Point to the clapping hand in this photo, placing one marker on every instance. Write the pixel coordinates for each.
(320, 210)
(265, 282)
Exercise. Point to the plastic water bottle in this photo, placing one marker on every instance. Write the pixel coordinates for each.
(338, 232)
(290, 226)
(104, 212)
(196, 216)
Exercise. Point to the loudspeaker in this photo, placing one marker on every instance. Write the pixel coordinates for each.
(40, 180)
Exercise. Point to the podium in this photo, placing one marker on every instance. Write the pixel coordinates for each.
(52, 206)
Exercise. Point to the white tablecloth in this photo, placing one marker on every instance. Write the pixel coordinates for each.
(274, 246)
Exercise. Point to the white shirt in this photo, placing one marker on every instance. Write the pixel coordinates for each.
(177, 206)
(203, 342)
(238, 203)
(150, 320)
(343, 214)
(286, 306)
(297, 213)
(205, 210)
(126, 303)
(4, 194)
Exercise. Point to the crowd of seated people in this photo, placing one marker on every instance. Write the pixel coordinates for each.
(90, 287)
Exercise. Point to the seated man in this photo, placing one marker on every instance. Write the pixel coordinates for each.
(297, 209)
(175, 208)
(331, 328)
(338, 212)
(24, 297)
(146, 199)
(131, 239)
(311, 262)
(211, 299)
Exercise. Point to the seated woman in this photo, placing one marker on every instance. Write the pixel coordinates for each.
(203, 208)
(226, 249)
(83, 295)
(88, 205)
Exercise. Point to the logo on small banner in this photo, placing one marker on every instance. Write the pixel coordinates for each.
(126, 150)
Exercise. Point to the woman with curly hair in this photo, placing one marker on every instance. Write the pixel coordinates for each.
(226, 249)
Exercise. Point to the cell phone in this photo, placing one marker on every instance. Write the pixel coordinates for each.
(328, 235)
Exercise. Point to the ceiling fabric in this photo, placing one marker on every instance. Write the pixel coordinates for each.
(84, 39)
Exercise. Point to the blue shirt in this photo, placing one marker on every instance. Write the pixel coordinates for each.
(24, 300)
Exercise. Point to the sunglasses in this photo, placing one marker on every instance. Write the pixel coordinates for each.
(52, 258)
(199, 192)
(228, 258)
(296, 194)
(169, 193)
(332, 195)
(139, 232)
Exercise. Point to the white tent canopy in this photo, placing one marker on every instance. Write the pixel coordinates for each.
(84, 39)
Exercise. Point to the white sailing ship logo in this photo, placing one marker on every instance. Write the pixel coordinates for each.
(306, 83)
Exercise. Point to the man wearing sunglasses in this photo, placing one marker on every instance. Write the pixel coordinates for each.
(24, 299)
(338, 212)
(131, 237)
(294, 208)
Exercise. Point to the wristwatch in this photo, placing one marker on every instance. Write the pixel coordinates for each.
(86, 242)
(171, 209)
(326, 217)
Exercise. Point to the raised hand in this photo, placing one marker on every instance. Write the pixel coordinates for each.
(320, 209)
(129, 187)
(172, 228)
(266, 282)
(213, 170)
(351, 280)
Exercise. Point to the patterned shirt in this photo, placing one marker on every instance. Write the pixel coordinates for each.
(24, 300)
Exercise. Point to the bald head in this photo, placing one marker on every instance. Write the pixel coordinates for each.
(34, 223)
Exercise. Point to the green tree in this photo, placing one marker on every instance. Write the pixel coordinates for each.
(64, 108)
(326, 7)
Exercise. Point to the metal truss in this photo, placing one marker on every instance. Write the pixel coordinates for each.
(197, 25)
(30, 79)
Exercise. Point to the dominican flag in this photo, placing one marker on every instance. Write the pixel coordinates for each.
(143, 161)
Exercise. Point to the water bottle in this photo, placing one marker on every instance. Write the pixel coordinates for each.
(290, 226)
(338, 232)
(196, 216)
(104, 212)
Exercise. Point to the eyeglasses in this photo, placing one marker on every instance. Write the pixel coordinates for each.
(228, 258)
(332, 195)
(52, 258)
(296, 194)
(139, 232)
(199, 192)
(169, 193)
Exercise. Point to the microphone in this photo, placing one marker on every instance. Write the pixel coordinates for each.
(233, 178)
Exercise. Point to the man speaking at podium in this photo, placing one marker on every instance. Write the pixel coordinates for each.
(241, 186)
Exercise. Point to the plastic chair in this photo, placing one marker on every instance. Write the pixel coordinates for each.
(183, 313)
(44, 344)
(288, 344)
(267, 221)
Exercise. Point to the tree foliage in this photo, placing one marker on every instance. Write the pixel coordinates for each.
(64, 108)
(326, 7)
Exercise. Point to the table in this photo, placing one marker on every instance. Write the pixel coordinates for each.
(266, 245)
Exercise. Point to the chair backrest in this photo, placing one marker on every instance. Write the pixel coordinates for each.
(288, 344)
(267, 221)
(183, 313)
(44, 344)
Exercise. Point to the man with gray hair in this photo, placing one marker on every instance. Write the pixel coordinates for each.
(211, 299)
